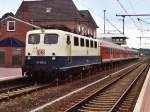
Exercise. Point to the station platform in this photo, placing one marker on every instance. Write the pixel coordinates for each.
(9, 73)
(143, 102)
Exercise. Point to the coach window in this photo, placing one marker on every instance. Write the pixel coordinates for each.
(34, 39)
(82, 42)
(91, 43)
(106, 49)
(116, 51)
(87, 43)
(50, 39)
(76, 41)
(110, 50)
(95, 44)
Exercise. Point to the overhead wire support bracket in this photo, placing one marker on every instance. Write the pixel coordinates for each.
(132, 15)
(124, 15)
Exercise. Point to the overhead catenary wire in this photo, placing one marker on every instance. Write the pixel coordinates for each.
(113, 25)
(107, 20)
(143, 21)
(85, 6)
(131, 5)
(140, 20)
(138, 28)
(121, 5)
(99, 16)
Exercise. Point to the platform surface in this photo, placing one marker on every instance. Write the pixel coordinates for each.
(9, 73)
(143, 102)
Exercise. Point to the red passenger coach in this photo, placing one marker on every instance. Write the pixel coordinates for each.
(113, 52)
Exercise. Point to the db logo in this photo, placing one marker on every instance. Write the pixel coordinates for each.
(40, 52)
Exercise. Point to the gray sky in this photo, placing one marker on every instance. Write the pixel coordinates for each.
(112, 8)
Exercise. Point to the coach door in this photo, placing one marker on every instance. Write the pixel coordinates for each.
(69, 48)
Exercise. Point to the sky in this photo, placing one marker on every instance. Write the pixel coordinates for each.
(133, 27)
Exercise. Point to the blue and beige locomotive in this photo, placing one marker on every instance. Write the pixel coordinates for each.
(49, 51)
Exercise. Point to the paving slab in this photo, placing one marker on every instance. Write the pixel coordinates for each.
(9, 73)
(143, 102)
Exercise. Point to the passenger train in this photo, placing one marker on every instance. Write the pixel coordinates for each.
(52, 50)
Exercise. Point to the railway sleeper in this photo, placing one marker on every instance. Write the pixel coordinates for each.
(95, 103)
(98, 106)
(96, 109)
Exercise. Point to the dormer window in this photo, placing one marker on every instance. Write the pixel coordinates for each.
(11, 26)
(48, 10)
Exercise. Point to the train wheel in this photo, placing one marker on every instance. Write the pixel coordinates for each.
(28, 74)
(23, 73)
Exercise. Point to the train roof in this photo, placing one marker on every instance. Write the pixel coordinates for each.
(58, 31)
(102, 42)
(112, 35)
(110, 45)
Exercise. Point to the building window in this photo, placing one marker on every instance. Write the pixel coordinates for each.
(79, 28)
(48, 10)
(11, 26)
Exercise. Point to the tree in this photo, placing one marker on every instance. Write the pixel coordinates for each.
(7, 14)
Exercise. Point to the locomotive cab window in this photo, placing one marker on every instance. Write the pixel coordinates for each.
(34, 39)
(50, 39)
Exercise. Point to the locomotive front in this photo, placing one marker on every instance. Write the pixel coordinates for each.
(42, 52)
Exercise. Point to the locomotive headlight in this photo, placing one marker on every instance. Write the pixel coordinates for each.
(29, 58)
(53, 58)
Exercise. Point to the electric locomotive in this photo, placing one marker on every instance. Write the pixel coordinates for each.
(52, 50)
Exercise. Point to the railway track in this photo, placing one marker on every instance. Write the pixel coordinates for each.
(4, 84)
(20, 90)
(113, 95)
(23, 89)
(108, 95)
(13, 88)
